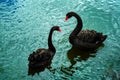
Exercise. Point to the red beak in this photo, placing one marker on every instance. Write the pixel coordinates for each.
(66, 18)
(59, 30)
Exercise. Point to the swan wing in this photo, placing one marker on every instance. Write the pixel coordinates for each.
(88, 36)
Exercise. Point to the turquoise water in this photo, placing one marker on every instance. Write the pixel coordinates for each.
(24, 27)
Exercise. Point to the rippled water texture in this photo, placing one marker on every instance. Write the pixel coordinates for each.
(24, 27)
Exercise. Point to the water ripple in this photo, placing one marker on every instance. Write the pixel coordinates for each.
(24, 27)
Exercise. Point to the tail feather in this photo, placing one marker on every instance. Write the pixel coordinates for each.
(103, 37)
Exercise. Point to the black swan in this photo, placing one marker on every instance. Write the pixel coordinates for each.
(84, 39)
(41, 58)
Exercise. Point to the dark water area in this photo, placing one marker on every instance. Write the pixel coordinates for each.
(25, 25)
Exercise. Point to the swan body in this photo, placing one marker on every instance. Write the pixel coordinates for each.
(84, 39)
(42, 57)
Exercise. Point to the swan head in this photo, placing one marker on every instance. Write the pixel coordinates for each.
(57, 28)
(69, 15)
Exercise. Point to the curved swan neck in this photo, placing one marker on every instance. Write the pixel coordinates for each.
(50, 44)
(79, 24)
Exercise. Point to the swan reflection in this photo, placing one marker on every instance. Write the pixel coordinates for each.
(75, 54)
(33, 71)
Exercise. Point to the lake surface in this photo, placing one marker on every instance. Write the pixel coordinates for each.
(25, 25)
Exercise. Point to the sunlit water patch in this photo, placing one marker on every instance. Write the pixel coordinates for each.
(24, 27)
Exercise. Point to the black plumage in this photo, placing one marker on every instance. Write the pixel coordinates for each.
(41, 58)
(84, 39)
